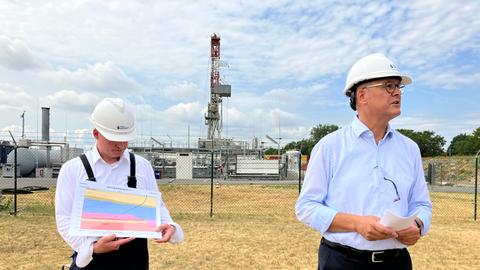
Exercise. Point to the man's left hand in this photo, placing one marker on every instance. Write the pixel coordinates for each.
(409, 236)
(167, 231)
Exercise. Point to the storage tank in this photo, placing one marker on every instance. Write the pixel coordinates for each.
(4, 150)
(29, 159)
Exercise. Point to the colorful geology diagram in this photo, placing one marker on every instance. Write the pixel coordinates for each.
(102, 210)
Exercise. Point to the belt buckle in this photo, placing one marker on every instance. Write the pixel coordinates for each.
(373, 256)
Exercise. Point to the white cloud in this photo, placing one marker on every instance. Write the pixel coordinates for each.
(180, 113)
(184, 91)
(417, 123)
(291, 97)
(186, 112)
(286, 58)
(72, 101)
(450, 77)
(14, 97)
(443, 127)
(15, 54)
(11, 128)
(101, 77)
(433, 31)
(258, 118)
(280, 39)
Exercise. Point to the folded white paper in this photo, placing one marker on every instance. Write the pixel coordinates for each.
(395, 222)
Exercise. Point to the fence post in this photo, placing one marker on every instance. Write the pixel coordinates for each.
(211, 186)
(14, 175)
(300, 173)
(476, 187)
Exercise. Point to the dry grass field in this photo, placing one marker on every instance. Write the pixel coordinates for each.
(253, 227)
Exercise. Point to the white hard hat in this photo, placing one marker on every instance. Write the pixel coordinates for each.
(373, 66)
(114, 119)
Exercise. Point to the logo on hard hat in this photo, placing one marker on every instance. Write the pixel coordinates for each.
(121, 127)
(393, 66)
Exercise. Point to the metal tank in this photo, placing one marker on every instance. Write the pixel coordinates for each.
(29, 159)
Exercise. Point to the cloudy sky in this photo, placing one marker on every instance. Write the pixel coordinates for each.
(287, 63)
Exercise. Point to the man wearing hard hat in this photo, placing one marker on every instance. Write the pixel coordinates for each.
(364, 171)
(110, 163)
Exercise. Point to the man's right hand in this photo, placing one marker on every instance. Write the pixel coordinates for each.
(109, 243)
(371, 229)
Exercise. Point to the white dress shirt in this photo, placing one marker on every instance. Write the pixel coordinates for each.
(348, 173)
(113, 174)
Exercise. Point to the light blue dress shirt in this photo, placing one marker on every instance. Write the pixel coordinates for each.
(349, 172)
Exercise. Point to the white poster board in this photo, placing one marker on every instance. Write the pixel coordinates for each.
(100, 209)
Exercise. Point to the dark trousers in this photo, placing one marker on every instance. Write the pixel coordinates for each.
(131, 256)
(336, 259)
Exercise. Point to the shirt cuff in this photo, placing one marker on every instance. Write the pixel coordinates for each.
(323, 219)
(84, 255)
(426, 225)
(178, 236)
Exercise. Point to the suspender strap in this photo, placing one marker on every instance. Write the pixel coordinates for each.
(88, 169)
(132, 180)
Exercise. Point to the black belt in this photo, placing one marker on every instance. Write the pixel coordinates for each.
(375, 256)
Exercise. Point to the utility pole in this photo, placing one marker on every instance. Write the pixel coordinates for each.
(188, 137)
(170, 140)
(279, 157)
(23, 124)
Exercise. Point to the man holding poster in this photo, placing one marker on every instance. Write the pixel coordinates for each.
(109, 163)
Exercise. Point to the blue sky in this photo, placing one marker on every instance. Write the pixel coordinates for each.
(287, 64)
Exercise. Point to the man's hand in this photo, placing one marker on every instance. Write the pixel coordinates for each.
(167, 231)
(367, 226)
(409, 236)
(371, 229)
(109, 243)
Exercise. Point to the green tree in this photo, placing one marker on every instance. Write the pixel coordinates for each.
(459, 145)
(305, 146)
(320, 131)
(429, 143)
(476, 140)
(464, 144)
(271, 151)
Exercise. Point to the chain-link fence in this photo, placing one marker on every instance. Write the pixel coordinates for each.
(453, 181)
(222, 182)
(28, 175)
(233, 184)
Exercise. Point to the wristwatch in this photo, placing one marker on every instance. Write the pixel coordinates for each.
(419, 225)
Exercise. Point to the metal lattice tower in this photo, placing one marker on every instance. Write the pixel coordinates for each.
(217, 90)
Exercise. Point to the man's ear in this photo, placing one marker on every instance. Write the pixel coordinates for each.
(361, 96)
(95, 133)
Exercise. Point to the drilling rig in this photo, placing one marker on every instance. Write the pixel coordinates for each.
(218, 89)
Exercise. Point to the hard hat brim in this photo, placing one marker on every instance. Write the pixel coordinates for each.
(405, 80)
(114, 137)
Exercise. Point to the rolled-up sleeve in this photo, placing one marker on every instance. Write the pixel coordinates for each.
(419, 196)
(165, 218)
(63, 208)
(310, 207)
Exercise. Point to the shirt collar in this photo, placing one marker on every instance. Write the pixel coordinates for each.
(360, 128)
(96, 155)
